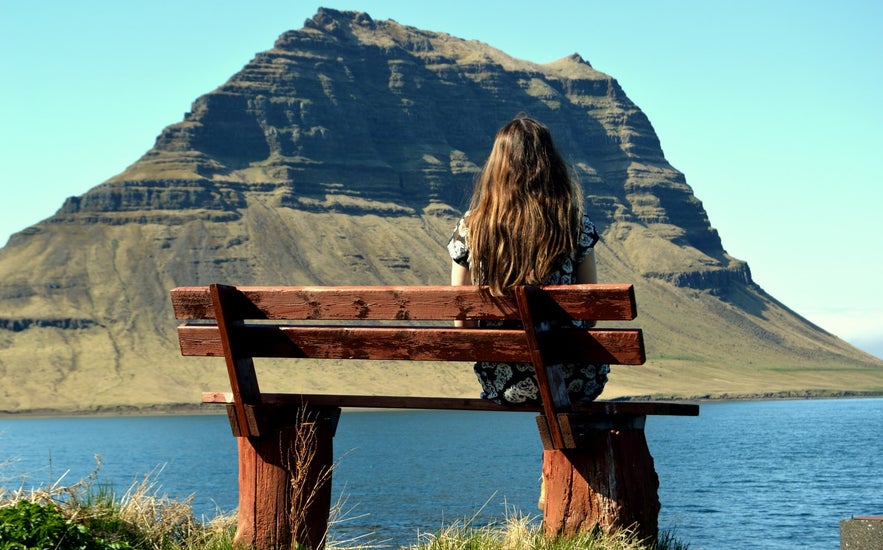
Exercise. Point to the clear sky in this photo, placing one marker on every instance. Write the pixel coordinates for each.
(771, 108)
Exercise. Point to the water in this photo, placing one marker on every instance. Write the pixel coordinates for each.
(185, 455)
(770, 474)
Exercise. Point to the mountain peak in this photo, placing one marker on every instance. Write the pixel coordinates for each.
(573, 58)
(338, 23)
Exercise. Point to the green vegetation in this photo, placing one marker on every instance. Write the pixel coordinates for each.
(27, 524)
(90, 516)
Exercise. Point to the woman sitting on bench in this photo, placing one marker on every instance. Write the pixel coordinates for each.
(525, 226)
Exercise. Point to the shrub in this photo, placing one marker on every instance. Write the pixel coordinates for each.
(29, 525)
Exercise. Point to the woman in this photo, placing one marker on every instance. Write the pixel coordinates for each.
(525, 226)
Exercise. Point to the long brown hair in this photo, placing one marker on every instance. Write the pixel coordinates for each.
(525, 211)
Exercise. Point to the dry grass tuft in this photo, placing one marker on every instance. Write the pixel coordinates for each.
(142, 517)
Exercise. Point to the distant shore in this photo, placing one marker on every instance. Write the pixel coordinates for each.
(172, 409)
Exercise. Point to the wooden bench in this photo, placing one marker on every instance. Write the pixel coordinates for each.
(597, 469)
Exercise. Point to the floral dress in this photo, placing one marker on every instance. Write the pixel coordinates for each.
(516, 383)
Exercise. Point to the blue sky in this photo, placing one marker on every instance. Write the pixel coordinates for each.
(771, 108)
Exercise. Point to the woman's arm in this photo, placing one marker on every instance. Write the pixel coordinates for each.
(460, 276)
(587, 273)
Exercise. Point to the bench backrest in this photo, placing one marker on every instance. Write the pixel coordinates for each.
(402, 323)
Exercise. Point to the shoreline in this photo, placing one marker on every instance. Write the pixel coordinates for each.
(199, 409)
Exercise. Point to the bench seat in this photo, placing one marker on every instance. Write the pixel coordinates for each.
(633, 408)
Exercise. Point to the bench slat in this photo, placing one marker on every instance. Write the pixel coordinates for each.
(550, 379)
(611, 346)
(636, 408)
(612, 302)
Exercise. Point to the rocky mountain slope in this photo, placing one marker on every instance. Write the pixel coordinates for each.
(344, 155)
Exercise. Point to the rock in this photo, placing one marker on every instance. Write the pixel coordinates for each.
(344, 155)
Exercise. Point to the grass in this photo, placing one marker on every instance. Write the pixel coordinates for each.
(89, 515)
(522, 533)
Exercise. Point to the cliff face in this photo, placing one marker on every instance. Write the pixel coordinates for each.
(343, 155)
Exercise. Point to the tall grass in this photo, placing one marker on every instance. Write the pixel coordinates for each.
(140, 518)
(522, 532)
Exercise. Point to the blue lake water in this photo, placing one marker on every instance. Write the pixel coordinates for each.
(767, 474)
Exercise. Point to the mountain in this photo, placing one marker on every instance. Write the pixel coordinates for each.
(344, 155)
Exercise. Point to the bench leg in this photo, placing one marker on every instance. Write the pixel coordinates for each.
(285, 486)
(608, 482)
